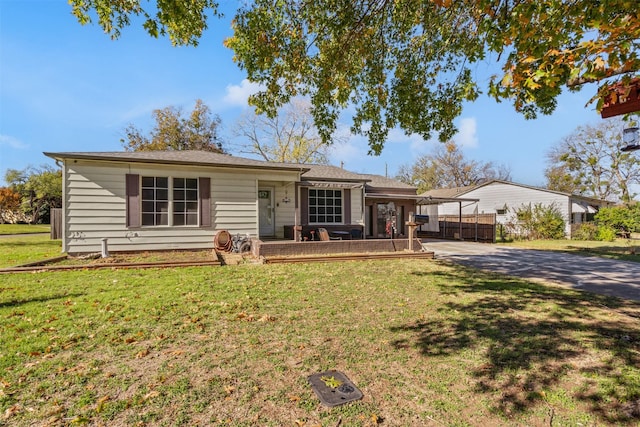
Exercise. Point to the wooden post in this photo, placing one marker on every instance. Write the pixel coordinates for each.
(412, 226)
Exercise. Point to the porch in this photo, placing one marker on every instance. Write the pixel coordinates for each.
(280, 248)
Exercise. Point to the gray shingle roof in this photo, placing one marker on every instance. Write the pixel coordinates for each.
(380, 181)
(334, 173)
(205, 158)
(459, 191)
(202, 158)
(447, 193)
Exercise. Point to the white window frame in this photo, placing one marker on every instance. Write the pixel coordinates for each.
(317, 214)
(171, 202)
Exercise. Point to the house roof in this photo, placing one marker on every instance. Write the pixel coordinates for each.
(310, 173)
(460, 191)
(332, 173)
(179, 157)
(380, 181)
(448, 193)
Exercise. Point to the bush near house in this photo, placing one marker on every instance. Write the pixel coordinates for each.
(538, 222)
(621, 219)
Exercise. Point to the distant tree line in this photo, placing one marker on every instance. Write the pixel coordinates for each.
(30, 195)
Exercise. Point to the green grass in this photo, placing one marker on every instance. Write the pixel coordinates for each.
(20, 250)
(24, 228)
(427, 343)
(620, 249)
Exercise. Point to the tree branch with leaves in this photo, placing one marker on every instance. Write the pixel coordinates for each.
(405, 63)
(447, 167)
(173, 131)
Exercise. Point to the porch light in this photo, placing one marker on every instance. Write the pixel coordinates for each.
(630, 139)
(286, 198)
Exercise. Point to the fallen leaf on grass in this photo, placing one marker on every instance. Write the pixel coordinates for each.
(293, 398)
(101, 402)
(229, 389)
(11, 411)
(177, 352)
(151, 395)
(244, 316)
(142, 353)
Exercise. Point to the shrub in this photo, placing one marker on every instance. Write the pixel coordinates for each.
(585, 231)
(606, 234)
(620, 218)
(541, 221)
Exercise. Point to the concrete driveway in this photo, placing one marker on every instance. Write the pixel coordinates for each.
(593, 274)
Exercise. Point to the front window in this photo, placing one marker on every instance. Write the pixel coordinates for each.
(325, 206)
(185, 201)
(169, 201)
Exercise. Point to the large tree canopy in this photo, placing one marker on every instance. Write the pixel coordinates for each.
(173, 131)
(40, 190)
(408, 63)
(447, 167)
(589, 162)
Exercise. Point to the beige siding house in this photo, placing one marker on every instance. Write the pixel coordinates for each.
(504, 198)
(161, 200)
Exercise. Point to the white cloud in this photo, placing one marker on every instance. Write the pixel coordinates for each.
(12, 142)
(238, 95)
(466, 136)
(348, 148)
(417, 145)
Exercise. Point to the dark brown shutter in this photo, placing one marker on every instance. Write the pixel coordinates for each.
(132, 188)
(204, 194)
(347, 205)
(304, 205)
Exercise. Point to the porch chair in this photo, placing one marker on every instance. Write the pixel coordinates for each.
(324, 235)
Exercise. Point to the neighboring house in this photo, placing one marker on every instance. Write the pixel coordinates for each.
(157, 200)
(504, 198)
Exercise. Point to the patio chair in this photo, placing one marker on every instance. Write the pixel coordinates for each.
(324, 235)
(356, 233)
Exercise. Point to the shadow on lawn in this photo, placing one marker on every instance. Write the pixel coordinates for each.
(533, 337)
(19, 302)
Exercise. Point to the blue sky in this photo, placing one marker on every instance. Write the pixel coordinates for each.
(67, 87)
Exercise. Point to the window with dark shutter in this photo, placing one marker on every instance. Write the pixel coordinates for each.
(168, 201)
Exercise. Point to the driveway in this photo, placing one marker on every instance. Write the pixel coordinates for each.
(593, 274)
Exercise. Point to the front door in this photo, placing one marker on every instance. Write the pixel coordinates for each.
(266, 212)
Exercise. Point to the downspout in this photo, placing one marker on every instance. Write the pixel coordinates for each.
(362, 215)
(460, 220)
(297, 234)
(64, 248)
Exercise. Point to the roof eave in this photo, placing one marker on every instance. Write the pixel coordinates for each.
(63, 156)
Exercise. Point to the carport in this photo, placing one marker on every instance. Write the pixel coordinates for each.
(429, 206)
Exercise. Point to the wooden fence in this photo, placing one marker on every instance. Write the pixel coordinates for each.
(56, 223)
(481, 228)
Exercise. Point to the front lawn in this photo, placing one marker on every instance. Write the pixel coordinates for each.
(18, 250)
(427, 343)
(24, 228)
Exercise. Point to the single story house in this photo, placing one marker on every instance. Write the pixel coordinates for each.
(158, 200)
(504, 198)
